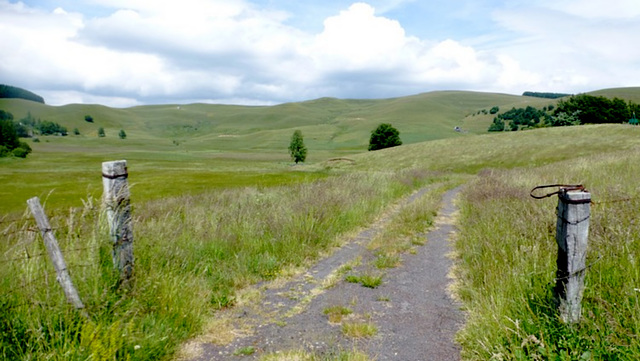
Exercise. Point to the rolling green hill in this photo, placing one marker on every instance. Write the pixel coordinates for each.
(329, 125)
(188, 148)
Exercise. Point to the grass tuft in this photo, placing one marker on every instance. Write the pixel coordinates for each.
(366, 280)
(244, 351)
(358, 329)
(337, 313)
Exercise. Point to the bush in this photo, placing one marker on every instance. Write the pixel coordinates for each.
(88, 118)
(20, 153)
(384, 136)
(101, 133)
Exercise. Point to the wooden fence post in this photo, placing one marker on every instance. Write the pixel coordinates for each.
(572, 232)
(118, 207)
(54, 253)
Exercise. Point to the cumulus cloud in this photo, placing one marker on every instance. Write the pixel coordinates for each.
(142, 51)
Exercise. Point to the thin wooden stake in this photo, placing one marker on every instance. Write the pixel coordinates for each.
(572, 233)
(54, 253)
(117, 203)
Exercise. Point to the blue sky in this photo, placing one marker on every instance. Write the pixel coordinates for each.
(131, 52)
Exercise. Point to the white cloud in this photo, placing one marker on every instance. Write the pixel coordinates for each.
(143, 51)
(356, 39)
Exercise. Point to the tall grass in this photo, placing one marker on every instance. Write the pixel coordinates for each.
(508, 259)
(192, 254)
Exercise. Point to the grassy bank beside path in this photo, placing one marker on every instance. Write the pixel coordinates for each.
(192, 253)
(508, 251)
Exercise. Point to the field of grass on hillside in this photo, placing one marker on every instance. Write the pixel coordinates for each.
(176, 149)
(186, 149)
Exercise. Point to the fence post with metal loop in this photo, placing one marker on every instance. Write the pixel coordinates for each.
(118, 208)
(572, 231)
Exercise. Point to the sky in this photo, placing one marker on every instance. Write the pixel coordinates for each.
(123, 53)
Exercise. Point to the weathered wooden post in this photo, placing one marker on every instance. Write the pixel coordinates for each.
(118, 207)
(572, 232)
(62, 274)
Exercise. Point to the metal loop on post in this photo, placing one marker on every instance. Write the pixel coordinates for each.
(564, 188)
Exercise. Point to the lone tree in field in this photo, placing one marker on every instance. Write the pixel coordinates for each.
(384, 136)
(122, 134)
(101, 133)
(296, 148)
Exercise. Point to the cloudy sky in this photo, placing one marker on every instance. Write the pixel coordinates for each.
(130, 52)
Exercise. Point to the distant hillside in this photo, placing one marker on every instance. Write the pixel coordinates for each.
(8, 91)
(330, 126)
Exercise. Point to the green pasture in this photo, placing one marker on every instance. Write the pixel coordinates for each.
(185, 149)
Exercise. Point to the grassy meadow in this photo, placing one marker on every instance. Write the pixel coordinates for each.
(218, 206)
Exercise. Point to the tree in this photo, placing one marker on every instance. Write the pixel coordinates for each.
(88, 118)
(497, 125)
(9, 143)
(8, 135)
(297, 148)
(122, 134)
(384, 136)
(76, 131)
(101, 133)
(494, 110)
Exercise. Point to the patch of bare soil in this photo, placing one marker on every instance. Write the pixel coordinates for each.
(415, 317)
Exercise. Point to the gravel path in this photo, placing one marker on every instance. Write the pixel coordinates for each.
(415, 316)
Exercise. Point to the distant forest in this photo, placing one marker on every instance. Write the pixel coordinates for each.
(8, 91)
(545, 95)
(576, 110)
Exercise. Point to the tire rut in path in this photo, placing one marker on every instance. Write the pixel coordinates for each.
(415, 316)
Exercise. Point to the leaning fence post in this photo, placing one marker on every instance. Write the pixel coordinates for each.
(117, 204)
(54, 253)
(572, 237)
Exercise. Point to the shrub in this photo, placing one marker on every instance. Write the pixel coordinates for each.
(20, 153)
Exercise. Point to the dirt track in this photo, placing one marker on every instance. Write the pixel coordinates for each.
(415, 316)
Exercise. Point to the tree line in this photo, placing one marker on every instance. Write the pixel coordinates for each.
(8, 91)
(576, 110)
(545, 95)
(29, 126)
